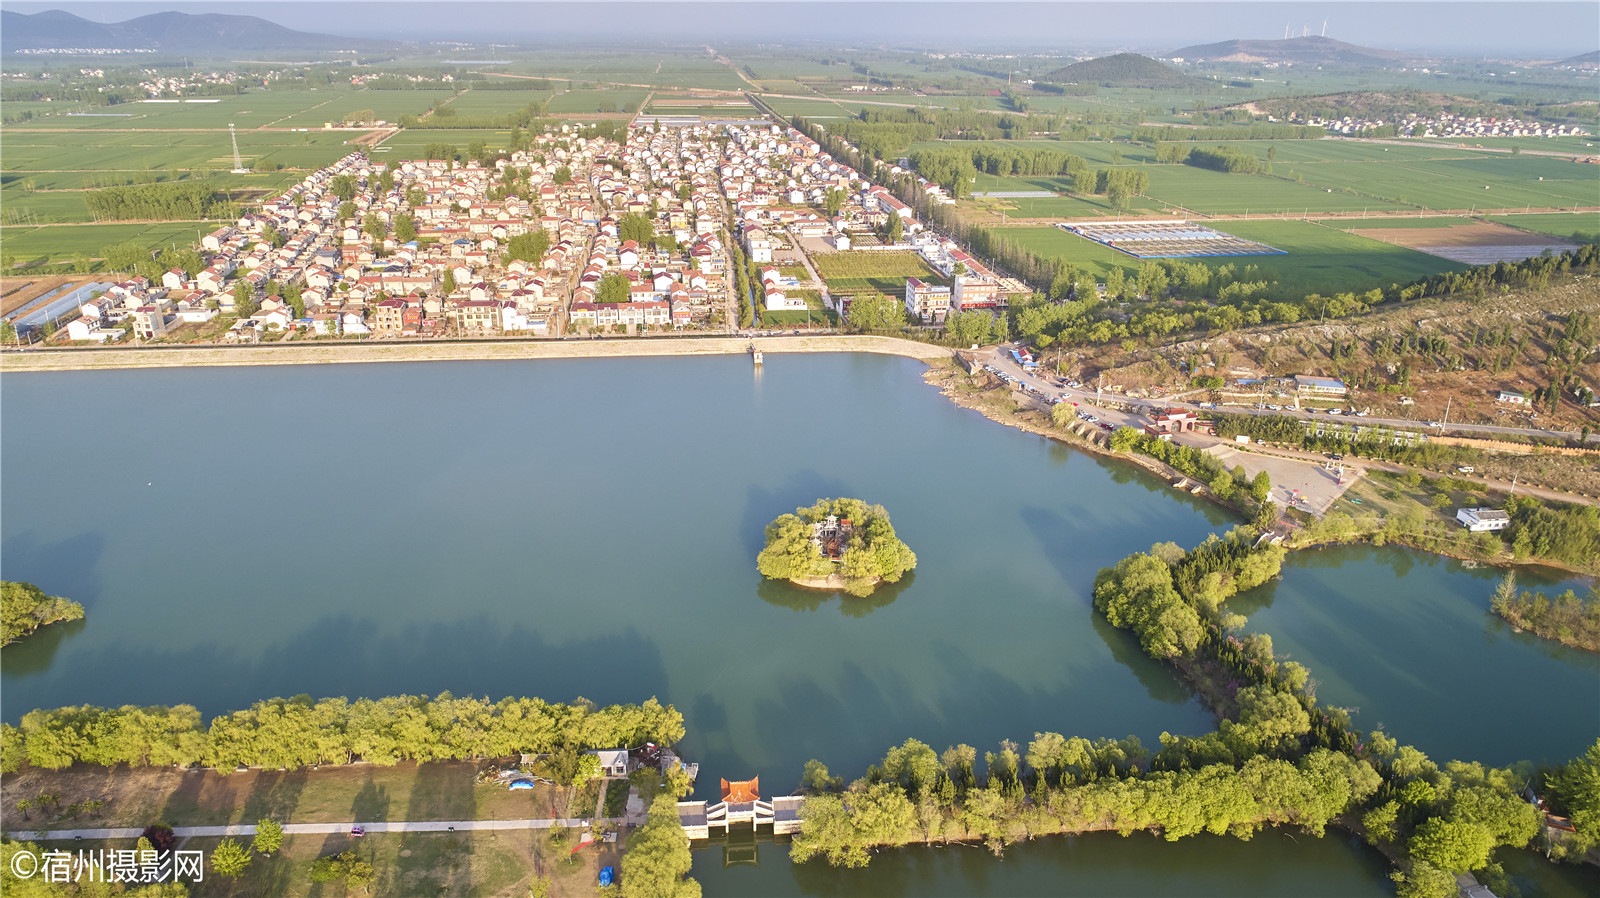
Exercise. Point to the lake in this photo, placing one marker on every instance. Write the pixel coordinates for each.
(589, 528)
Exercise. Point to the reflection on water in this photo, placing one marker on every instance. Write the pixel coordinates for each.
(1408, 640)
(1274, 863)
(32, 654)
(784, 594)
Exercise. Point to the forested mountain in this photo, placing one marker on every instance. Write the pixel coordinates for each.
(1309, 50)
(169, 32)
(1121, 70)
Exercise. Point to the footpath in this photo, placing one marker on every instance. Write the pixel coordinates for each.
(378, 826)
(314, 353)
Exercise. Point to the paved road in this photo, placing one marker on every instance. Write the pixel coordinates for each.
(1137, 409)
(249, 829)
(999, 359)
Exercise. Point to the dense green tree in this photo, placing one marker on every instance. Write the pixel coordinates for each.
(876, 312)
(529, 247)
(970, 327)
(657, 861)
(636, 226)
(405, 228)
(614, 286)
(1452, 845)
(563, 175)
(373, 226)
(269, 836)
(25, 608)
(230, 859)
(1261, 487)
(244, 299)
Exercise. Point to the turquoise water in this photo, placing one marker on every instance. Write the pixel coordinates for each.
(1407, 641)
(576, 528)
(589, 528)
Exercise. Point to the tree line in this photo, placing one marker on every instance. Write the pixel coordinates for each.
(160, 202)
(1436, 822)
(1277, 758)
(297, 732)
(1565, 618)
(1224, 159)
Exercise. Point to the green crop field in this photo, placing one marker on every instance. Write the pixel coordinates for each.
(818, 108)
(63, 243)
(412, 144)
(857, 265)
(1584, 226)
(166, 150)
(741, 111)
(476, 103)
(621, 99)
(1317, 260)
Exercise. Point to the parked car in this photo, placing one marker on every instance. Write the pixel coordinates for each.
(1464, 469)
(357, 832)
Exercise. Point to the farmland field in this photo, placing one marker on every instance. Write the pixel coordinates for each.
(621, 99)
(410, 144)
(850, 265)
(1317, 260)
(734, 111)
(64, 242)
(475, 103)
(170, 150)
(1564, 224)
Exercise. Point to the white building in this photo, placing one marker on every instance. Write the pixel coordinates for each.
(1480, 520)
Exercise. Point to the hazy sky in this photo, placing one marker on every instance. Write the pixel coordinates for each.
(1525, 28)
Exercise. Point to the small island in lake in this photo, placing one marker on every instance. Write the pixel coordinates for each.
(835, 544)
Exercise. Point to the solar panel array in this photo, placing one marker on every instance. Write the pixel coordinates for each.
(1169, 240)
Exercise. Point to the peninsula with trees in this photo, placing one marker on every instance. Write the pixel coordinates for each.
(25, 608)
(835, 544)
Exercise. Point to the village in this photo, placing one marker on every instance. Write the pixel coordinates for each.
(1442, 125)
(429, 248)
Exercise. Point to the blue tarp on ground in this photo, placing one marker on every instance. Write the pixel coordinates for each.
(607, 874)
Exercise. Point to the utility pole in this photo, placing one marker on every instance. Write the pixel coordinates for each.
(1446, 422)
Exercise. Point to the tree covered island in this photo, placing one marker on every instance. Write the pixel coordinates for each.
(836, 543)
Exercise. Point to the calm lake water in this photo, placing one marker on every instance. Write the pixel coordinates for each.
(589, 528)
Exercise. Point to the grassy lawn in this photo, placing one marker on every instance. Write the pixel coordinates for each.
(413, 864)
(408, 791)
(1318, 260)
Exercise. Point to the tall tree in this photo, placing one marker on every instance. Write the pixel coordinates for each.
(657, 861)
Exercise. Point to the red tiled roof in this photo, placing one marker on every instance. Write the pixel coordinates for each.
(748, 790)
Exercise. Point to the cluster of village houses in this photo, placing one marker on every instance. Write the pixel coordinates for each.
(1445, 125)
(701, 184)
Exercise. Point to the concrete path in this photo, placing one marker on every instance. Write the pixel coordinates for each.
(249, 829)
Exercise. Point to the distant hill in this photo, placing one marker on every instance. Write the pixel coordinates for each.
(167, 32)
(1311, 50)
(1590, 58)
(1121, 70)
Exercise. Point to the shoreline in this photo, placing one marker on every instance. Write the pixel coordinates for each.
(1094, 447)
(92, 359)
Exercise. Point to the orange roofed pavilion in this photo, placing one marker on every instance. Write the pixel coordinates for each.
(748, 790)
